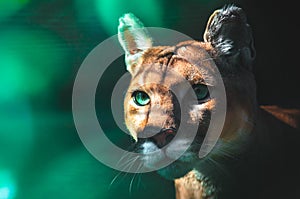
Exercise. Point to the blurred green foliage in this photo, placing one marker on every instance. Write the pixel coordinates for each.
(8, 8)
(31, 61)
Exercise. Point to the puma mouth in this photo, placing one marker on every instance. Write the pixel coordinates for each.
(154, 156)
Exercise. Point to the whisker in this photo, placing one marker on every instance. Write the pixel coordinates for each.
(139, 180)
(130, 159)
(126, 165)
(131, 183)
(126, 154)
(132, 180)
(218, 166)
(114, 179)
(220, 148)
(133, 162)
(226, 153)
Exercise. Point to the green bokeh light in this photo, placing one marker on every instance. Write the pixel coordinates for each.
(7, 187)
(4, 192)
(108, 12)
(31, 60)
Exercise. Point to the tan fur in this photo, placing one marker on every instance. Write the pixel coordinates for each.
(288, 116)
(150, 72)
(248, 129)
(189, 187)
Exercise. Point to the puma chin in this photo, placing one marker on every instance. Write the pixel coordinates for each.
(169, 172)
(154, 156)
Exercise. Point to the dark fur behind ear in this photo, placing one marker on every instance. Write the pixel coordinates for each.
(230, 34)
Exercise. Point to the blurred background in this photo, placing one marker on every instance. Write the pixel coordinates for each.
(42, 45)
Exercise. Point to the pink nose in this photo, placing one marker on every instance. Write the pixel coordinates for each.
(164, 137)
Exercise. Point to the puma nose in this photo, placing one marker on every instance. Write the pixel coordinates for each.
(164, 137)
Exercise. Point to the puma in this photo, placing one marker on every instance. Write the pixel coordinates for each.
(256, 155)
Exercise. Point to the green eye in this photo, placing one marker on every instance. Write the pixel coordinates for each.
(141, 98)
(201, 91)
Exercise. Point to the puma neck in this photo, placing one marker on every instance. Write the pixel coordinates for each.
(271, 141)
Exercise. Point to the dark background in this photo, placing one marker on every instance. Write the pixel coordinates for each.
(42, 45)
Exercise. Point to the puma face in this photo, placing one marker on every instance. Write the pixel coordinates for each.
(169, 102)
(167, 96)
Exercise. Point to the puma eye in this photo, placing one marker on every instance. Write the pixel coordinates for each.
(201, 92)
(141, 98)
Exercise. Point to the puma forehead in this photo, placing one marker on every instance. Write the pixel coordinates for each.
(192, 60)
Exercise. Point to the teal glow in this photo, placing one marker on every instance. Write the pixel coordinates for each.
(4, 193)
(108, 12)
(7, 188)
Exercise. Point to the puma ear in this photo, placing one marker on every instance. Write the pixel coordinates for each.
(134, 39)
(229, 33)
